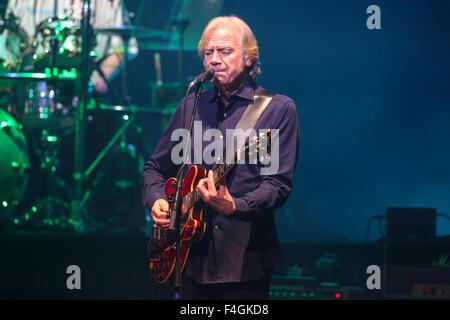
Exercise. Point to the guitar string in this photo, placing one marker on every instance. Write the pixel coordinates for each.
(193, 193)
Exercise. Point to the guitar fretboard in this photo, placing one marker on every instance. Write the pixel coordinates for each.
(191, 198)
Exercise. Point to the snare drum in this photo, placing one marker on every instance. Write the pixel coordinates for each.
(14, 163)
(63, 36)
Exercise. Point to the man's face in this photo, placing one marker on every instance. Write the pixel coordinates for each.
(224, 55)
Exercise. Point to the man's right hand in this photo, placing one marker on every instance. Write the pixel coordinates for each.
(160, 213)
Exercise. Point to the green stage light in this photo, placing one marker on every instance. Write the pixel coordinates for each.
(37, 75)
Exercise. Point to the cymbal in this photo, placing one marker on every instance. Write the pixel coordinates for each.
(35, 76)
(130, 109)
(23, 75)
(132, 31)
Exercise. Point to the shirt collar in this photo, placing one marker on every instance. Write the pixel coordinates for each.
(245, 91)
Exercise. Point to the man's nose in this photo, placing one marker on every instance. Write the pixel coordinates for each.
(216, 58)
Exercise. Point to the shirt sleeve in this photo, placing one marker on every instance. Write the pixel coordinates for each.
(160, 166)
(108, 14)
(116, 45)
(275, 188)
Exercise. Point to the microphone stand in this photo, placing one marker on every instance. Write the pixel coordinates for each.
(175, 215)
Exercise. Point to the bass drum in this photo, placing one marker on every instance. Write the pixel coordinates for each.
(14, 164)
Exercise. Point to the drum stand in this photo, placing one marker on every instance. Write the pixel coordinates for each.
(125, 92)
(53, 210)
(77, 209)
(78, 204)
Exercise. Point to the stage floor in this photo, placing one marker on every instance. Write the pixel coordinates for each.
(115, 265)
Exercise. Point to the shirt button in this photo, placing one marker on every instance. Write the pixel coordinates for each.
(225, 114)
(216, 226)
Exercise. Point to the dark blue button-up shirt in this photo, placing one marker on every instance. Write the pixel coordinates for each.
(243, 245)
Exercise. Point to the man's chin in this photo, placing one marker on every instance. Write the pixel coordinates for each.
(220, 81)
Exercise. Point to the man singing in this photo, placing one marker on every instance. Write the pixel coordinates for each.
(236, 256)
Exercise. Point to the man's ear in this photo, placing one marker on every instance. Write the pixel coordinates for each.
(248, 62)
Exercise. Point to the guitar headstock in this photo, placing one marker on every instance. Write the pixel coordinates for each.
(258, 147)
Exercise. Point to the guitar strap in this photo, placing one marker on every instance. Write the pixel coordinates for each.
(251, 115)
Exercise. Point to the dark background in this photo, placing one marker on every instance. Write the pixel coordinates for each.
(373, 105)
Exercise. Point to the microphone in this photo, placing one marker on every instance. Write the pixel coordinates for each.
(208, 74)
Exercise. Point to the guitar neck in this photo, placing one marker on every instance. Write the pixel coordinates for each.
(190, 199)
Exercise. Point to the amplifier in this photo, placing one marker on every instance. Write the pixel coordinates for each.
(431, 290)
(409, 266)
(308, 288)
(405, 222)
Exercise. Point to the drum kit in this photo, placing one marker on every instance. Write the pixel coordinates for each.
(39, 97)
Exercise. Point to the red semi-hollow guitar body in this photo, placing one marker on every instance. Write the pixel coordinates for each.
(192, 227)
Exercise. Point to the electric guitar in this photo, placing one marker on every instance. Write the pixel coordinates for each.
(162, 245)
